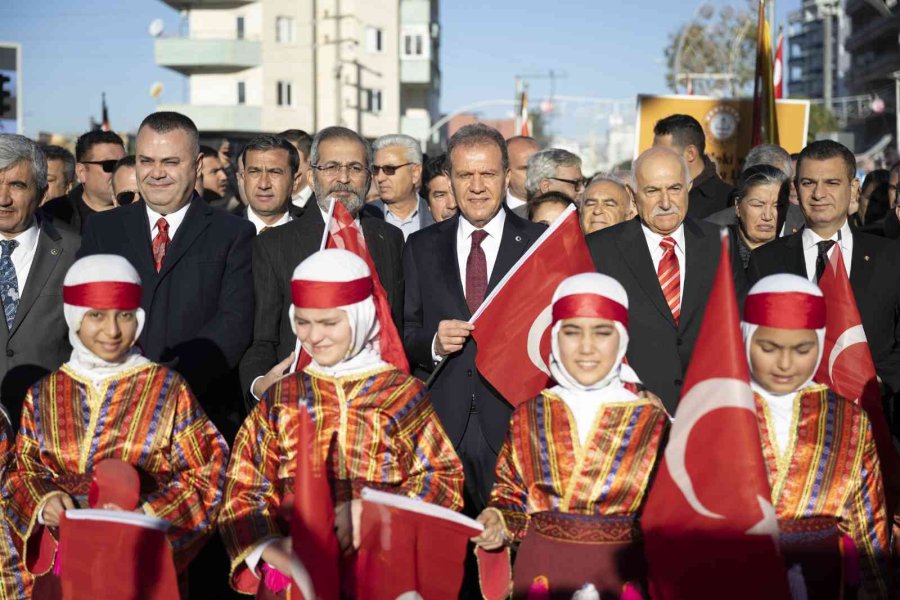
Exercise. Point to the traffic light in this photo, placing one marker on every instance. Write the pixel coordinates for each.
(6, 106)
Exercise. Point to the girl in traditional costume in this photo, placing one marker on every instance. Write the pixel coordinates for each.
(573, 473)
(15, 581)
(818, 448)
(374, 424)
(109, 402)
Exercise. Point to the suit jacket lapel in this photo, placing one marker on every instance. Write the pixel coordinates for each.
(795, 255)
(633, 248)
(701, 258)
(195, 221)
(860, 264)
(448, 264)
(46, 255)
(137, 227)
(512, 246)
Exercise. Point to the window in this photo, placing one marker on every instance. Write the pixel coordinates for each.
(413, 45)
(373, 101)
(284, 30)
(285, 89)
(240, 28)
(374, 39)
(242, 92)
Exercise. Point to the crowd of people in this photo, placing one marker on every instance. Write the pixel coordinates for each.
(157, 306)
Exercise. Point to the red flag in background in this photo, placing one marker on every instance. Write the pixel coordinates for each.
(778, 69)
(512, 326)
(523, 113)
(848, 369)
(104, 122)
(765, 125)
(709, 527)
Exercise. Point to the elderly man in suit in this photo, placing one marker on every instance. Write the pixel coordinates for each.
(449, 269)
(339, 169)
(34, 258)
(397, 172)
(666, 261)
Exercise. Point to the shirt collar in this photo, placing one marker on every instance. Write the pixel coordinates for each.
(653, 238)
(259, 223)
(173, 219)
(514, 201)
(29, 237)
(494, 227)
(811, 238)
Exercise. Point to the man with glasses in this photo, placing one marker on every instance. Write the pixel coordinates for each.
(124, 182)
(340, 163)
(96, 155)
(398, 174)
(555, 170)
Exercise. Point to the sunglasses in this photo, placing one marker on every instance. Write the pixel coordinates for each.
(108, 166)
(389, 170)
(124, 198)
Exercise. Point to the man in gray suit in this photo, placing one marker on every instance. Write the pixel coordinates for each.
(34, 258)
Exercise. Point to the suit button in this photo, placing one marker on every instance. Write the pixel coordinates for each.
(469, 372)
(678, 382)
(9, 352)
(679, 342)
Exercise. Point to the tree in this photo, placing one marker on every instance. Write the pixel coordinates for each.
(717, 40)
(821, 119)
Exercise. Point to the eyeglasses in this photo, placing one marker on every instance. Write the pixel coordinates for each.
(108, 166)
(124, 198)
(578, 183)
(332, 169)
(389, 170)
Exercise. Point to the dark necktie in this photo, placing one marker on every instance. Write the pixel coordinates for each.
(160, 242)
(476, 271)
(9, 283)
(822, 257)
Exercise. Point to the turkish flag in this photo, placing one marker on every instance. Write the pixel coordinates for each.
(778, 68)
(512, 326)
(410, 547)
(342, 231)
(709, 526)
(848, 369)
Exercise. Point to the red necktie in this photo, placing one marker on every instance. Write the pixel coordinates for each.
(160, 242)
(476, 271)
(669, 275)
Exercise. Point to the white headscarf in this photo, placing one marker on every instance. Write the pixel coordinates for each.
(591, 295)
(341, 267)
(99, 282)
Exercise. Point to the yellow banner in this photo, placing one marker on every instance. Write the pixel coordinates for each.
(728, 124)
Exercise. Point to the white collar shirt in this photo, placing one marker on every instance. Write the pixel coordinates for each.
(811, 250)
(173, 219)
(490, 244)
(260, 224)
(656, 253)
(512, 201)
(23, 254)
(302, 197)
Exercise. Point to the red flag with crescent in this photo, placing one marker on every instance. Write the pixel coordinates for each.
(709, 526)
(512, 325)
(848, 369)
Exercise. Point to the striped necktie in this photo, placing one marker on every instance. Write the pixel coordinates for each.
(669, 274)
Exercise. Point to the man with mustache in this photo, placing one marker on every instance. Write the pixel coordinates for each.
(340, 162)
(651, 256)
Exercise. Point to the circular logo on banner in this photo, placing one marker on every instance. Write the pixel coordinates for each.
(722, 122)
(539, 340)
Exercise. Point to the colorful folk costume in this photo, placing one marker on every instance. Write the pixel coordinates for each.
(374, 426)
(821, 460)
(134, 410)
(573, 472)
(15, 582)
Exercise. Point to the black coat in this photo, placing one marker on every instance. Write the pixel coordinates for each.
(277, 252)
(434, 292)
(876, 286)
(70, 209)
(199, 307)
(658, 349)
(709, 194)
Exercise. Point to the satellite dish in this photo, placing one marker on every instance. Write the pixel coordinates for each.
(156, 89)
(157, 26)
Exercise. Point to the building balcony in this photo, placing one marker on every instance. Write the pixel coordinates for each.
(862, 75)
(417, 71)
(199, 56)
(209, 117)
(195, 4)
(874, 29)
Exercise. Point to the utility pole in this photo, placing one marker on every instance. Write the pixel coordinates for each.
(828, 9)
(359, 90)
(338, 60)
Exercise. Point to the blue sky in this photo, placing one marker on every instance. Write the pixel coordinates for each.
(74, 49)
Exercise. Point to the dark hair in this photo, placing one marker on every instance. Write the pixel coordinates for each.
(166, 121)
(548, 198)
(826, 150)
(298, 137)
(762, 174)
(336, 132)
(684, 129)
(127, 161)
(879, 199)
(434, 167)
(263, 143)
(478, 133)
(208, 151)
(88, 140)
(59, 153)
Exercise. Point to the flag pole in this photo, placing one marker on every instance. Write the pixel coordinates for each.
(328, 218)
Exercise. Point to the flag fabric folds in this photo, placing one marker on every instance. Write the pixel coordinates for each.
(778, 69)
(765, 124)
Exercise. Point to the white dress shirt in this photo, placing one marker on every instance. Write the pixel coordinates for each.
(23, 255)
(260, 224)
(656, 253)
(811, 250)
(174, 220)
(513, 201)
(302, 197)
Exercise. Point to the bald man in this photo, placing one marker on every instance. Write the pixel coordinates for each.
(651, 257)
(520, 150)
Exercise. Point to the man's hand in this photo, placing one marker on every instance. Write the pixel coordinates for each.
(278, 555)
(275, 373)
(54, 508)
(451, 335)
(493, 537)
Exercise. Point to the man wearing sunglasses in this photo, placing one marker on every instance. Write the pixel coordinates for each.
(96, 155)
(397, 173)
(124, 182)
(554, 170)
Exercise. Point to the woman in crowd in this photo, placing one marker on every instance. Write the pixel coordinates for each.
(573, 473)
(109, 402)
(818, 448)
(760, 196)
(374, 424)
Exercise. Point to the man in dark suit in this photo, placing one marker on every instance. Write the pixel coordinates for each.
(827, 183)
(666, 261)
(34, 258)
(449, 268)
(269, 167)
(339, 169)
(194, 263)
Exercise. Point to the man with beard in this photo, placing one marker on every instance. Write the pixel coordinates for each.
(340, 162)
